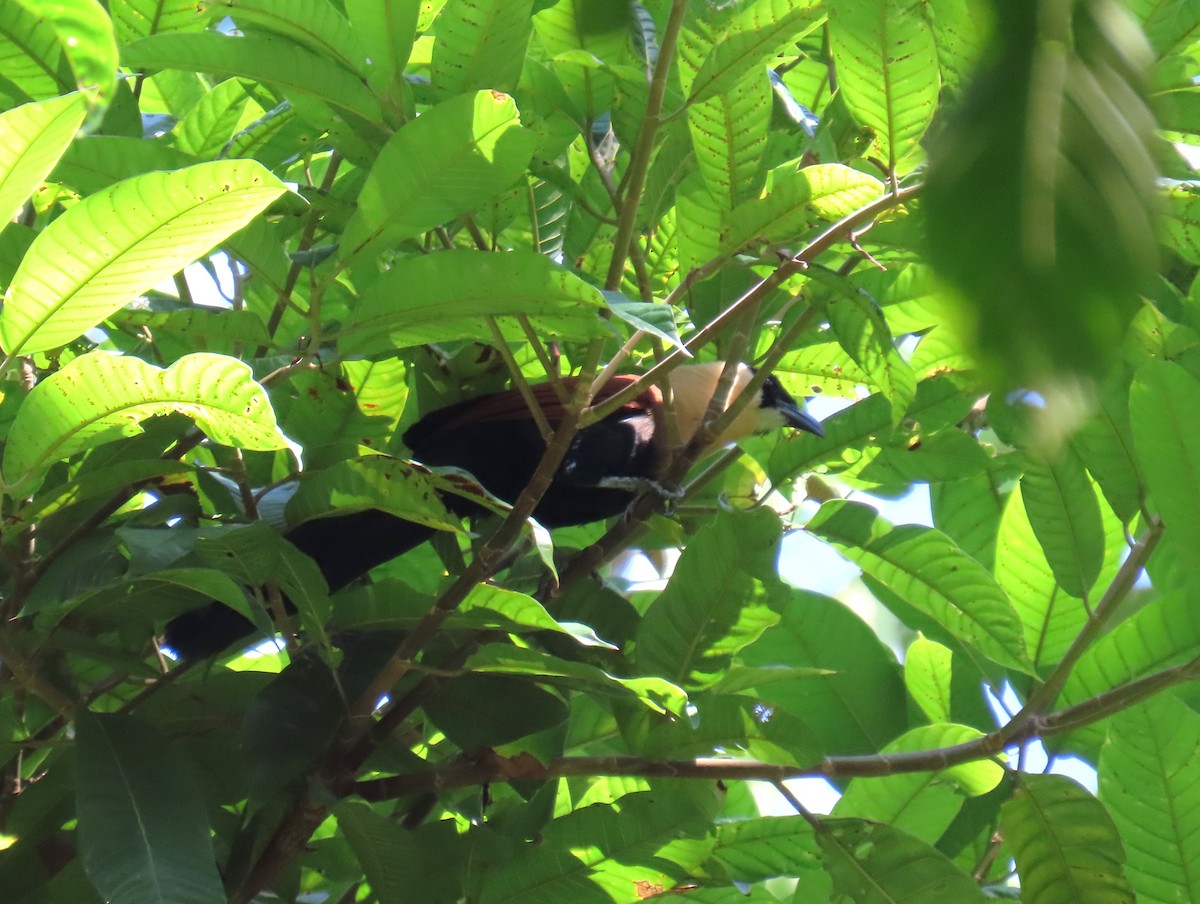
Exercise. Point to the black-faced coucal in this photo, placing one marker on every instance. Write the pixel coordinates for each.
(495, 439)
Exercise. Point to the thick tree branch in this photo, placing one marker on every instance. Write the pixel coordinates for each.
(524, 767)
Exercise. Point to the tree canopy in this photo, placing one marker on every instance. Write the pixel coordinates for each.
(246, 243)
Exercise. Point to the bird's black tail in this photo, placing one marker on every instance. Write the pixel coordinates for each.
(345, 547)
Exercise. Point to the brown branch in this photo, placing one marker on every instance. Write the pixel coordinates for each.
(643, 149)
(1045, 695)
(355, 743)
(524, 767)
(283, 299)
(838, 231)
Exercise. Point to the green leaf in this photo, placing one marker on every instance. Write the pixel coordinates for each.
(209, 125)
(1170, 25)
(316, 24)
(759, 849)
(146, 594)
(480, 44)
(753, 36)
(143, 829)
(724, 726)
(389, 604)
(850, 436)
(440, 297)
(85, 32)
(887, 72)
(375, 482)
(385, 30)
(99, 397)
(1051, 616)
(923, 804)
(928, 571)
(1150, 782)
(478, 711)
(877, 863)
(31, 53)
(447, 162)
(289, 724)
(969, 510)
(651, 317)
(94, 163)
(935, 458)
(1105, 443)
(1065, 844)
(857, 709)
(1054, 147)
(602, 853)
(729, 133)
(863, 333)
(790, 200)
(274, 61)
(135, 19)
(1164, 405)
(708, 611)
(1181, 221)
(395, 860)
(927, 674)
(502, 659)
(119, 242)
(699, 215)
(601, 32)
(1164, 634)
(380, 846)
(32, 139)
(1065, 516)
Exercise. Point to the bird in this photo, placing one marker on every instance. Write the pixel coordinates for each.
(496, 439)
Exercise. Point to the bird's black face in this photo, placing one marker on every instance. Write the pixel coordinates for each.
(775, 398)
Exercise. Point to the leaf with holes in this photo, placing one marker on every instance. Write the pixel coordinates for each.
(887, 69)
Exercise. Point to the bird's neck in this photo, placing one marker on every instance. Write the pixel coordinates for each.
(692, 386)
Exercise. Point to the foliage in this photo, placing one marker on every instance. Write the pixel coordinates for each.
(249, 242)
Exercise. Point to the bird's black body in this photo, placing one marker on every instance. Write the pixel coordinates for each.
(496, 440)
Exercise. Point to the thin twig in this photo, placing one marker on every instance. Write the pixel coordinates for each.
(518, 378)
(759, 292)
(283, 299)
(643, 149)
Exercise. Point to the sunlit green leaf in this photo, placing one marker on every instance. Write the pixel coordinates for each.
(99, 398)
(276, 61)
(887, 71)
(925, 569)
(456, 155)
(480, 44)
(314, 23)
(101, 253)
(708, 611)
(1150, 782)
(32, 139)
(1164, 404)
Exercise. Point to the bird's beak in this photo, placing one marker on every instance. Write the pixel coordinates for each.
(795, 416)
